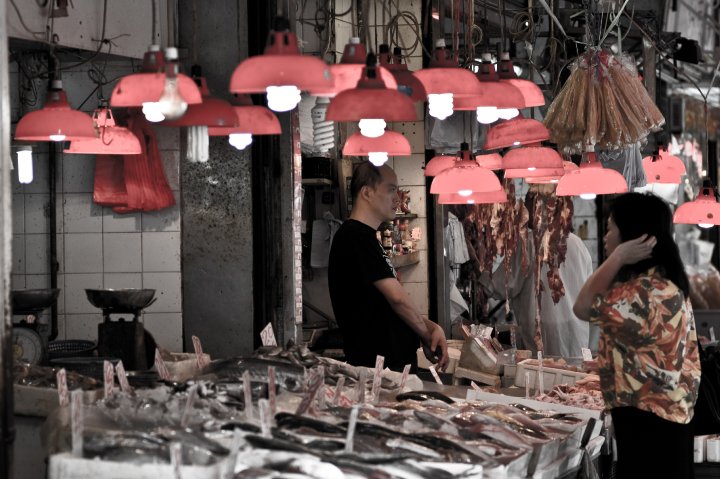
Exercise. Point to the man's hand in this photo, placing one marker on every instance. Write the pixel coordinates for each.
(635, 250)
(430, 348)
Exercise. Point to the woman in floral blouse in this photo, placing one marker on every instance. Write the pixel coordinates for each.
(648, 354)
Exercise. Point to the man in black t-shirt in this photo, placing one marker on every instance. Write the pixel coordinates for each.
(373, 310)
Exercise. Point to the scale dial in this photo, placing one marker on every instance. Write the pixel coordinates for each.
(27, 345)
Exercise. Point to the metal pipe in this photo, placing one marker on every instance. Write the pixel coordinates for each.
(54, 266)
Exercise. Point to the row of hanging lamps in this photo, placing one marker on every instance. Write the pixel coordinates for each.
(493, 100)
(407, 83)
(516, 132)
(55, 121)
(350, 70)
(465, 177)
(532, 94)
(251, 120)
(703, 211)
(499, 196)
(111, 140)
(663, 168)
(160, 89)
(377, 149)
(591, 179)
(281, 71)
(444, 81)
(371, 103)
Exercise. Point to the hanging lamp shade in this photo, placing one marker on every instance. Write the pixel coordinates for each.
(281, 71)
(147, 86)
(704, 211)
(55, 121)
(492, 92)
(251, 119)
(491, 161)
(111, 140)
(567, 167)
(663, 168)
(371, 100)
(538, 173)
(349, 71)
(532, 158)
(590, 180)
(516, 132)
(499, 196)
(439, 164)
(532, 94)
(391, 142)
(465, 177)
(211, 112)
(407, 83)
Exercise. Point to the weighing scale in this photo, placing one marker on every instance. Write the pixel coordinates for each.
(31, 333)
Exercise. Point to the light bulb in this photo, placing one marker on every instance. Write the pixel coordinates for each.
(516, 143)
(518, 71)
(378, 158)
(464, 192)
(25, 165)
(554, 181)
(372, 127)
(171, 104)
(240, 140)
(282, 98)
(588, 196)
(471, 202)
(487, 114)
(532, 168)
(58, 137)
(151, 110)
(440, 105)
(507, 113)
(701, 225)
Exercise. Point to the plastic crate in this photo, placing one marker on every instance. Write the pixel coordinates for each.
(70, 348)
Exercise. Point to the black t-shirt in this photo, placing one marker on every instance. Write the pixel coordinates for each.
(368, 323)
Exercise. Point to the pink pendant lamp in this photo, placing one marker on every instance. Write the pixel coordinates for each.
(445, 81)
(281, 71)
(567, 167)
(704, 211)
(499, 196)
(55, 121)
(532, 95)
(465, 177)
(516, 132)
(491, 161)
(349, 71)
(251, 120)
(406, 81)
(532, 158)
(494, 99)
(111, 140)
(371, 104)
(211, 112)
(590, 180)
(148, 85)
(378, 149)
(438, 164)
(663, 168)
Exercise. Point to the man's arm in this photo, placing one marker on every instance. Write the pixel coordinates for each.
(629, 252)
(430, 333)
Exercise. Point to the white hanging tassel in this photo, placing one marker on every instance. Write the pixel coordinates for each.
(198, 144)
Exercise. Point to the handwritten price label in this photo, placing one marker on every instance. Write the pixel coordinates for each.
(63, 392)
(267, 336)
(122, 378)
(586, 354)
(200, 357)
(161, 367)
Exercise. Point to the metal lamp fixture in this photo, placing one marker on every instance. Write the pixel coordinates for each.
(491, 161)
(55, 121)
(499, 196)
(379, 149)
(591, 179)
(251, 120)
(532, 94)
(406, 81)
(438, 164)
(532, 158)
(663, 168)
(550, 178)
(371, 103)
(281, 71)
(704, 211)
(465, 177)
(516, 132)
(111, 140)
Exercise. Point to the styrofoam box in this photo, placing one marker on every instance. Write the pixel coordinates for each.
(67, 466)
(551, 376)
(40, 402)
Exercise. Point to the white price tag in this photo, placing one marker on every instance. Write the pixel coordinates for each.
(161, 367)
(199, 356)
(435, 374)
(63, 392)
(377, 378)
(586, 354)
(76, 422)
(475, 386)
(712, 334)
(108, 378)
(487, 332)
(122, 378)
(267, 336)
(403, 378)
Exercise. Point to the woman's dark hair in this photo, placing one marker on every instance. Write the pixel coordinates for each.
(637, 214)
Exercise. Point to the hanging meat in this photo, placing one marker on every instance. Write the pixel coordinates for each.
(603, 103)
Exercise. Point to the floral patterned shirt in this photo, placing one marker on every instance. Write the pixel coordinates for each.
(648, 353)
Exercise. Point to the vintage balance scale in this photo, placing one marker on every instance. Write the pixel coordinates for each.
(32, 331)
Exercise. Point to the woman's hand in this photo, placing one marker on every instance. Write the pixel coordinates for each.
(635, 250)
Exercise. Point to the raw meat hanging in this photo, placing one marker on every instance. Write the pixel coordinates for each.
(603, 103)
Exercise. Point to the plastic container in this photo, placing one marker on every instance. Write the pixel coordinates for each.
(70, 348)
(551, 376)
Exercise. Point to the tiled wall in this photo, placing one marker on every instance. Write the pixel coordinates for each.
(96, 247)
(584, 219)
